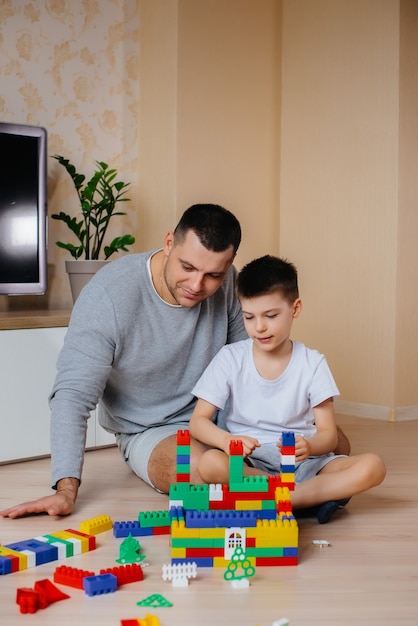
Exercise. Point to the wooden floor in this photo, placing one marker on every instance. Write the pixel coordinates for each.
(367, 576)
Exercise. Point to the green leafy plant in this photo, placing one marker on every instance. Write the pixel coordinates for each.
(98, 198)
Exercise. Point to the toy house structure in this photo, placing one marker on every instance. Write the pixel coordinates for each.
(208, 522)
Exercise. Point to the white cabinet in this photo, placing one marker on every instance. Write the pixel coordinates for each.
(27, 371)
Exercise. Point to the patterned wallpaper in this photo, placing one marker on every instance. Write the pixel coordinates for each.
(72, 67)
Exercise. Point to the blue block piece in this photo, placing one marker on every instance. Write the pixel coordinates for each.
(5, 565)
(176, 512)
(290, 551)
(199, 519)
(287, 469)
(44, 552)
(183, 459)
(200, 561)
(124, 529)
(98, 585)
(247, 519)
(288, 439)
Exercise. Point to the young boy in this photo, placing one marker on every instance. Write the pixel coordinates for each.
(271, 385)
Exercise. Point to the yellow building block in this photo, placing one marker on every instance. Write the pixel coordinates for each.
(23, 558)
(287, 478)
(178, 529)
(178, 553)
(277, 533)
(282, 493)
(248, 505)
(149, 620)
(212, 533)
(96, 525)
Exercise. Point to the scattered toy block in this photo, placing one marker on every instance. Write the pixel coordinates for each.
(99, 585)
(132, 572)
(96, 525)
(71, 576)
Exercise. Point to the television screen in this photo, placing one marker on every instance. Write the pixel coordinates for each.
(23, 209)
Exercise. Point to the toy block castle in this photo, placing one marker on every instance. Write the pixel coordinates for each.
(208, 522)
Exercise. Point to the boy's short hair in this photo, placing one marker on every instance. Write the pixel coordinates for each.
(266, 275)
(216, 227)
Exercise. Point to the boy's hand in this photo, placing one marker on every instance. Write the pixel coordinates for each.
(249, 444)
(302, 448)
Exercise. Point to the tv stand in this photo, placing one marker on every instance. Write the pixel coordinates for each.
(30, 342)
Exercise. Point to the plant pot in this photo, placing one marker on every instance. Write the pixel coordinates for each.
(80, 272)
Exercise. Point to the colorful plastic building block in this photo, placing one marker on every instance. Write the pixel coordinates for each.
(71, 576)
(155, 601)
(129, 551)
(98, 585)
(132, 572)
(179, 574)
(28, 553)
(96, 525)
(43, 594)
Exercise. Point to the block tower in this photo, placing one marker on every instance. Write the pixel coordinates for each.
(208, 522)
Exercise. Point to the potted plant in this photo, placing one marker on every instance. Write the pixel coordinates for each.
(98, 199)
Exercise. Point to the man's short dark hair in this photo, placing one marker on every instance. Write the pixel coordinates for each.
(266, 275)
(216, 227)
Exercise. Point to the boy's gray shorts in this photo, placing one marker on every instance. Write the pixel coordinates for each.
(137, 448)
(268, 458)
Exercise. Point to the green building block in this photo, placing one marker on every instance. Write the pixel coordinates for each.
(149, 519)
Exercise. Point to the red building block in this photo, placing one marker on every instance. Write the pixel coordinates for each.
(71, 576)
(236, 448)
(129, 573)
(48, 593)
(27, 599)
(183, 438)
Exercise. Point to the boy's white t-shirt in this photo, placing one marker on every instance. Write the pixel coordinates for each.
(264, 408)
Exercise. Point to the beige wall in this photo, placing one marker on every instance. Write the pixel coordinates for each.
(298, 115)
(210, 114)
(72, 67)
(348, 201)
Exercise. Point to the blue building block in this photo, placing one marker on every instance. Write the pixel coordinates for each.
(124, 529)
(199, 519)
(98, 585)
(44, 552)
(288, 439)
(5, 565)
(200, 561)
(183, 459)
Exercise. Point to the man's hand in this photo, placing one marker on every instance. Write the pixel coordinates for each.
(60, 503)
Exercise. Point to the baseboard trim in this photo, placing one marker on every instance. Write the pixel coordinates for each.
(360, 409)
(375, 411)
(406, 413)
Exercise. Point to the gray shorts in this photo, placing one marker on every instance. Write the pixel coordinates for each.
(267, 458)
(137, 448)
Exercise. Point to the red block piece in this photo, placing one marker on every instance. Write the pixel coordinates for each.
(161, 530)
(129, 622)
(48, 593)
(129, 573)
(71, 576)
(236, 448)
(27, 599)
(91, 538)
(183, 438)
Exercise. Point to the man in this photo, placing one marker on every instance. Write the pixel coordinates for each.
(140, 335)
